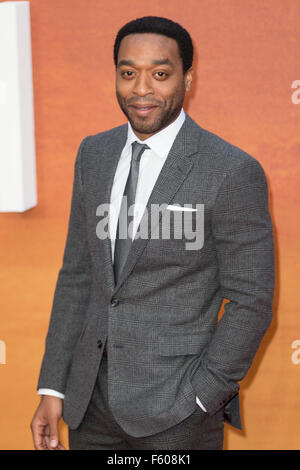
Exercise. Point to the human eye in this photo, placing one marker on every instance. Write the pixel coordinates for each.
(127, 74)
(160, 75)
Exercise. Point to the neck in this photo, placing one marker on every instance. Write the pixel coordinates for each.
(144, 136)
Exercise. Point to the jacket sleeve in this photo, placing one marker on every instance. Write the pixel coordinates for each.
(71, 296)
(243, 233)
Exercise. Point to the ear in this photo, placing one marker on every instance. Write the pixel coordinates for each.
(188, 78)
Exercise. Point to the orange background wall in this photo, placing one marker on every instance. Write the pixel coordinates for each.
(247, 56)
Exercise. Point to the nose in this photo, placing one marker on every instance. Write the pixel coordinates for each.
(142, 85)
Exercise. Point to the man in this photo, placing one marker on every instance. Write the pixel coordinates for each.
(135, 356)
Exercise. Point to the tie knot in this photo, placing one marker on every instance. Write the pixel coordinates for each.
(137, 150)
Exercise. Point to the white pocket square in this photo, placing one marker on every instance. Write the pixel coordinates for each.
(180, 208)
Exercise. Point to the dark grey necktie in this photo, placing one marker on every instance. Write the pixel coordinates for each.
(122, 245)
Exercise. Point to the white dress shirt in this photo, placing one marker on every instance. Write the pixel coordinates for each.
(151, 163)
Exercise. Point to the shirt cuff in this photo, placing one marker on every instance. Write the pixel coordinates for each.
(52, 393)
(200, 404)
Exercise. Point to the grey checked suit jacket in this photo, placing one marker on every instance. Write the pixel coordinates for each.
(165, 344)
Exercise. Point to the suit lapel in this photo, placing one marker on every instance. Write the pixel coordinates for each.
(110, 155)
(174, 171)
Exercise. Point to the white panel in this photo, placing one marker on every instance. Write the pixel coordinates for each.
(17, 144)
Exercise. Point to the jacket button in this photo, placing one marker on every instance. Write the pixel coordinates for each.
(114, 302)
(99, 343)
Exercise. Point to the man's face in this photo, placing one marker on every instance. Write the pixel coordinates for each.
(150, 84)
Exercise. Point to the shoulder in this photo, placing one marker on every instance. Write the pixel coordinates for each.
(107, 135)
(220, 153)
(102, 138)
(93, 147)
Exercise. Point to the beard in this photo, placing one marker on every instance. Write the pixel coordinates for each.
(142, 124)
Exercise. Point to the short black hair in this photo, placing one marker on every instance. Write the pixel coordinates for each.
(159, 25)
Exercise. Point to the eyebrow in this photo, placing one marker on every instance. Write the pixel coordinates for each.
(154, 62)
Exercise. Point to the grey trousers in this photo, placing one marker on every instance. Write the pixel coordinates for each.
(100, 431)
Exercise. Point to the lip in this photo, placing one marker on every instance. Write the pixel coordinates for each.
(143, 110)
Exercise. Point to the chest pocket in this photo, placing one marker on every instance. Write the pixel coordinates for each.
(178, 231)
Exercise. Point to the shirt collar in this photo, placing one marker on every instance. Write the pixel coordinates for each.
(162, 141)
